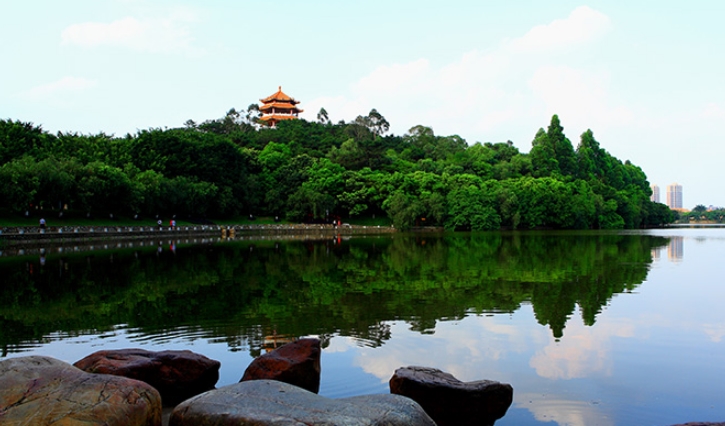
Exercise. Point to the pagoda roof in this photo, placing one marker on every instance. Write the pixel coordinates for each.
(279, 105)
(277, 117)
(279, 96)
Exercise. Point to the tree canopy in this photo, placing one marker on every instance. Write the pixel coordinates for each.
(317, 171)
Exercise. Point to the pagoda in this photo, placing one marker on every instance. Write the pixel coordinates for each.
(278, 107)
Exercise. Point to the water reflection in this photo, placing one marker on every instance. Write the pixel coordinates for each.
(319, 287)
(564, 412)
(675, 249)
(585, 326)
(585, 352)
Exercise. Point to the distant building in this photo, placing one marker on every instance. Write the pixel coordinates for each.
(655, 194)
(278, 107)
(674, 196)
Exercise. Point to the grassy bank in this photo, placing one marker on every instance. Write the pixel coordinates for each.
(53, 220)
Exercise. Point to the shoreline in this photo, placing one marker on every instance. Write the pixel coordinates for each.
(22, 241)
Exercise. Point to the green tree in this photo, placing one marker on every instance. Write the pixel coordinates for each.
(20, 184)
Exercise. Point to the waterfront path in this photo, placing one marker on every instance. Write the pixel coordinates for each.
(79, 233)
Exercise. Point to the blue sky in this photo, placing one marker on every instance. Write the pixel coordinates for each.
(648, 77)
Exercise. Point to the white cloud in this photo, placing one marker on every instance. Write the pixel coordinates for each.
(582, 26)
(407, 78)
(582, 96)
(63, 87)
(167, 34)
(713, 110)
(494, 95)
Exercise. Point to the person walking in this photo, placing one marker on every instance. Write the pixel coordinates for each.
(42, 223)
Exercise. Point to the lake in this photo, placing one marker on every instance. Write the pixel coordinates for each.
(590, 328)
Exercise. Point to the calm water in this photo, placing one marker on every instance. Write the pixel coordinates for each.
(589, 328)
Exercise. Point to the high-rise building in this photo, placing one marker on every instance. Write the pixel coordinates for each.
(655, 194)
(674, 196)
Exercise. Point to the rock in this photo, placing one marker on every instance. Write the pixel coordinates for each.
(270, 402)
(39, 390)
(702, 424)
(450, 401)
(177, 375)
(296, 363)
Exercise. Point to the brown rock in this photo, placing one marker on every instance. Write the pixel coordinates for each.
(296, 363)
(450, 401)
(177, 375)
(40, 390)
(271, 402)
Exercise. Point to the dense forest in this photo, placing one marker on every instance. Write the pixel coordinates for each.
(320, 171)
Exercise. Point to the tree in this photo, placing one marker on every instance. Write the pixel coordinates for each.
(543, 157)
(349, 155)
(20, 184)
(562, 147)
(552, 153)
(377, 123)
(322, 117)
(472, 208)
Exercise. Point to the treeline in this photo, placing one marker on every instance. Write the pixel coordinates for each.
(701, 213)
(319, 171)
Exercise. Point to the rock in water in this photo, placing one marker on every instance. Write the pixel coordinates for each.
(702, 424)
(177, 375)
(39, 390)
(270, 402)
(296, 363)
(450, 401)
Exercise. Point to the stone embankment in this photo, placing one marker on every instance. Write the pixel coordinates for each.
(19, 241)
(68, 233)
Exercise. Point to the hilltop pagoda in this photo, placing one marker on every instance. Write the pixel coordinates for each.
(278, 107)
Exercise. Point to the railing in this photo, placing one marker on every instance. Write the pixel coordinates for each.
(103, 231)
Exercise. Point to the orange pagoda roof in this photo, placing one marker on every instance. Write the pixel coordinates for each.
(279, 105)
(278, 117)
(279, 96)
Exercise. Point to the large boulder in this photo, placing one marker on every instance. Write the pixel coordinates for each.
(39, 390)
(450, 401)
(296, 363)
(270, 402)
(177, 375)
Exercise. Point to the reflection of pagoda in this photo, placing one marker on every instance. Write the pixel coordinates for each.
(278, 107)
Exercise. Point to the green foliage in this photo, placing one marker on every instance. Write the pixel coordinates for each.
(317, 171)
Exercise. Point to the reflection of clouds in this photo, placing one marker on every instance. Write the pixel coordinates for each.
(563, 412)
(584, 351)
(715, 332)
(340, 344)
(462, 348)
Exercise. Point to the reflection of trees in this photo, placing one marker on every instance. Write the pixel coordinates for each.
(243, 293)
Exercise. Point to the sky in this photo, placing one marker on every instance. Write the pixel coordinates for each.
(647, 77)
